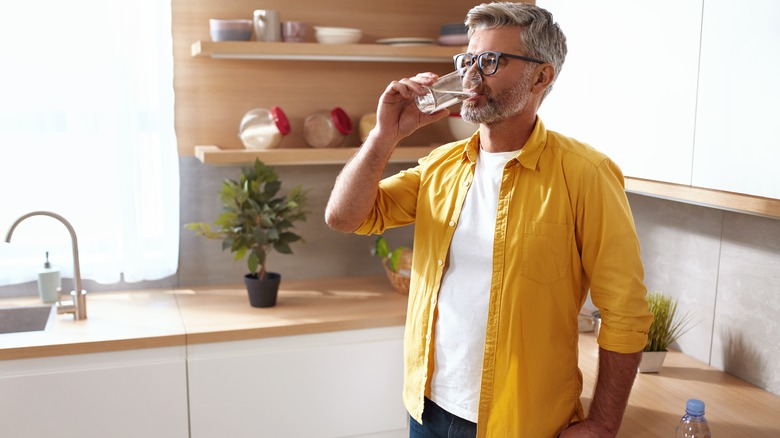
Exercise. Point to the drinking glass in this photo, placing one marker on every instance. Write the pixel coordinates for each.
(445, 92)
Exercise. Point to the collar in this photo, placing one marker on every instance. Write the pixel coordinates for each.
(527, 156)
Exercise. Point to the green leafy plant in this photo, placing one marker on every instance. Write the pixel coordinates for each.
(666, 326)
(382, 249)
(255, 221)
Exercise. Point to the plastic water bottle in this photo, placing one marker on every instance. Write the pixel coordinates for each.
(693, 424)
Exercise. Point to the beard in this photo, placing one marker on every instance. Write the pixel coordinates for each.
(498, 107)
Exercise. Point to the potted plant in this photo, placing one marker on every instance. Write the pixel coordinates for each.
(665, 329)
(397, 264)
(255, 222)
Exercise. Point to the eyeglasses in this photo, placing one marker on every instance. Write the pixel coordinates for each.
(486, 61)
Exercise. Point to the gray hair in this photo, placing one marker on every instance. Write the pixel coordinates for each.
(539, 34)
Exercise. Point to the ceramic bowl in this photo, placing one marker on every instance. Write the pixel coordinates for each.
(337, 35)
(230, 30)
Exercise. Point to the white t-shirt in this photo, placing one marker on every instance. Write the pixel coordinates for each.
(459, 337)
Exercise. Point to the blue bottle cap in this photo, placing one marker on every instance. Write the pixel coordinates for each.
(694, 407)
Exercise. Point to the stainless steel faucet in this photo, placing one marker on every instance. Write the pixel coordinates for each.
(78, 305)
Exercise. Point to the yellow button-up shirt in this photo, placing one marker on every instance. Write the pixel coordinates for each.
(563, 227)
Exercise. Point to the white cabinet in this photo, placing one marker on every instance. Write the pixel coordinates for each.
(338, 384)
(679, 92)
(738, 118)
(134, 393)
(628, 86)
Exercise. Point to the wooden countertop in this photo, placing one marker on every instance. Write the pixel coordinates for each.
(160, 318)
(734, 408)
(115, 321)
(177, 317)
(313, 306)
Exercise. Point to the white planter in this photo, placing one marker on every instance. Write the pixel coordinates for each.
(652, 361)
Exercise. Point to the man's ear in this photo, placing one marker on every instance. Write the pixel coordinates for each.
(543, 77)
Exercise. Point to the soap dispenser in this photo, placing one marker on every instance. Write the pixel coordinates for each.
(49, 282)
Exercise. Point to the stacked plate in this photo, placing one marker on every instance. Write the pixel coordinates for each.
(453, 34)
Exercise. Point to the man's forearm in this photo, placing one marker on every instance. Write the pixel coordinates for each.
(613, 386)
(355, 190)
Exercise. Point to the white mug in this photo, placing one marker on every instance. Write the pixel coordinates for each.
(267, 25)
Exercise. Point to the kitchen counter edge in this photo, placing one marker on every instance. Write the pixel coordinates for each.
(141, 319)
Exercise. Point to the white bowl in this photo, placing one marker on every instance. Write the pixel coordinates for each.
(337, 39)
(337, 30)
(337, 35)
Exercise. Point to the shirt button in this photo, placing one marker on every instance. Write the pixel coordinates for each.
(452, 223)
(440, 262)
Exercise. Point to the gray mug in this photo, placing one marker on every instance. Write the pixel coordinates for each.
(267, 25)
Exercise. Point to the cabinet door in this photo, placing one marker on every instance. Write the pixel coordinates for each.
(136, 393)
(738, 122)
(322, 385)
(628, 86)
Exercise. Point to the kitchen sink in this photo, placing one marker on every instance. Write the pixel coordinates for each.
(24, 319)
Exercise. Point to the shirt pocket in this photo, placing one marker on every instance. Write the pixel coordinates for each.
(546, 251)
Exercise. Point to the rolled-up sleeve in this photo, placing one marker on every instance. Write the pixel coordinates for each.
(396, 203)
(612, 262)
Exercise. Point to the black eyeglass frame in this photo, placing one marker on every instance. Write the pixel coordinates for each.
(498, 59)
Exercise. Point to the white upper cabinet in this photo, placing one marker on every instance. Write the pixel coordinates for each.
(628, 86)
(738, 123)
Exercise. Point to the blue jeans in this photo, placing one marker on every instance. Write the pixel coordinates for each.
(438, 423)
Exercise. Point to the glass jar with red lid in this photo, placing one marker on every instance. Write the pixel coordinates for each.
(264, 129)
(327, 129)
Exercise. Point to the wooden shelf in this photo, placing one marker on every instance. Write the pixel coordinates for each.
(737, 202)
(210, 154)
(323, 52)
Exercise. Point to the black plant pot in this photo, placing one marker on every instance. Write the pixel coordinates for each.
(262, 293)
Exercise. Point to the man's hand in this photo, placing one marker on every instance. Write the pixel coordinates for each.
(397, 115)
(585, 429)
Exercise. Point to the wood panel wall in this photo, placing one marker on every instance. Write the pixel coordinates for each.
(213, 95)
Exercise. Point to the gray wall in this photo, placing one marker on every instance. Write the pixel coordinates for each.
(324, 252)
(724, 267)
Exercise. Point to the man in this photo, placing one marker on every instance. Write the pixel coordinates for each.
(513, 227)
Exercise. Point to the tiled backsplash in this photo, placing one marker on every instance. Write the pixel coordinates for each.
(324, 252)
(725, 268)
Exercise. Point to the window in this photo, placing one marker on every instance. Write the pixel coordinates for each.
(87, 131)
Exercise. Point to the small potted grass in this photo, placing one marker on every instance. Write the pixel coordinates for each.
(666, 328)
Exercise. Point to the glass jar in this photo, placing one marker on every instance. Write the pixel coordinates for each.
(367, 123)
(326, 129)
(263, 129)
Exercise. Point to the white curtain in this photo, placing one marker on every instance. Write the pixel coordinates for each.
(87, 131)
